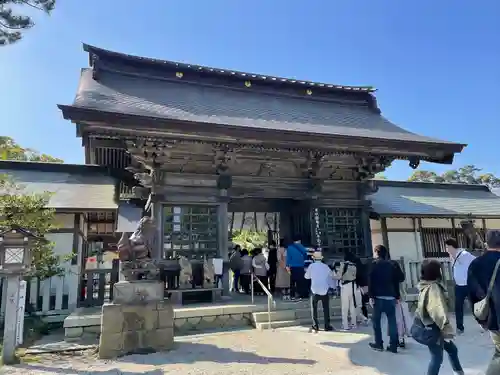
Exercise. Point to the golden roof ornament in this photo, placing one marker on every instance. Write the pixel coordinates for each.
(248, 84)
(179, 74)
(309, 92)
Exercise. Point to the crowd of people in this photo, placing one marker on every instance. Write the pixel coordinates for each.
(295, 272)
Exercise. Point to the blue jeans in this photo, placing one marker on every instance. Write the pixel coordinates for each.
(437, 357)
(387, 307)
(460, 296)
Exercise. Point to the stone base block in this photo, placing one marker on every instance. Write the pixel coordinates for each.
(142, 291)
(136, 328)
(176, 295)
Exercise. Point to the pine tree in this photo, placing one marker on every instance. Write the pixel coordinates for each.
(13, 22)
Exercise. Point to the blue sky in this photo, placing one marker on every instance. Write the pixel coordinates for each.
(436, 64)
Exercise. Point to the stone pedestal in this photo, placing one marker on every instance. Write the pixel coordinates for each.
(138, 320)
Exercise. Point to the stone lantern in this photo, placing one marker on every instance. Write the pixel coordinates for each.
(15, 261)
(15, 251)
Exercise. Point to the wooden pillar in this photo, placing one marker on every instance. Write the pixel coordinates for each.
(367, 233)
(223, 225)
(9, 333)
(385, 235)
(418, 243)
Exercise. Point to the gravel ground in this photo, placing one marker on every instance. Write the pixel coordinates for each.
(283, 351)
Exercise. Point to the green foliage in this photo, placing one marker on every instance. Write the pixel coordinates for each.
(249, 239)
(11, 150)
(468, 174)
(29, 211)
(12, 23)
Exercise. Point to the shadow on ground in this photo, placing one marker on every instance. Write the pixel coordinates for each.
(183, 353)
(475, 351)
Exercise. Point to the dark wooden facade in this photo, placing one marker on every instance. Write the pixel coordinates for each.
(239, 142)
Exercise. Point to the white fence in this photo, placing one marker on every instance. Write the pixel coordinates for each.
(53, 298)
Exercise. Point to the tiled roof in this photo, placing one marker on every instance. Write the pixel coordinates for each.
(174, 100)
(71, 190)
(428, 199)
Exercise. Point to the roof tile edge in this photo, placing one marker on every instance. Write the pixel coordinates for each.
(96, 51)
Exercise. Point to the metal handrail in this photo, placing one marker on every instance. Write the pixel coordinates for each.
(270, 299)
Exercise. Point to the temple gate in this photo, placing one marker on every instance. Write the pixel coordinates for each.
(197, 144)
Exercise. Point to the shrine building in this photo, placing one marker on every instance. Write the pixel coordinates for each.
(204, 148)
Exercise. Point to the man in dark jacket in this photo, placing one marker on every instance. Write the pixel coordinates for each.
(383, 289)
(272, 260)
(479, 275)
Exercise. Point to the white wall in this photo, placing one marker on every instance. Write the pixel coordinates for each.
(493, 223)
(404, 241)
(404, 244)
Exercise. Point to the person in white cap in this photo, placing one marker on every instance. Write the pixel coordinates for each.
(321, 277)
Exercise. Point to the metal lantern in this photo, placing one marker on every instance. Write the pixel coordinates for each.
(15, 250)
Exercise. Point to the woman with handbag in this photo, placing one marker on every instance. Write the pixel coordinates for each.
(431, 326)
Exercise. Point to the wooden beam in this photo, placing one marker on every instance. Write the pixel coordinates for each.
(365, 217)
(106, 143)
(385, 236)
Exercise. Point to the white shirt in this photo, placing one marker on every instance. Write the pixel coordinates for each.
(321, 278)
(461, 266)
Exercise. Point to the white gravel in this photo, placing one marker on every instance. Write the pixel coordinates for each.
(283, 351)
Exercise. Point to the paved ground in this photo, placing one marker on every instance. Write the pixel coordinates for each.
(284, 351)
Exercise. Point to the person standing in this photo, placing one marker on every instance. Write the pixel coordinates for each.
(321, 277)
(282, 274)
(246, 271)
(236, 264)
(350, 294)
(460, 260)
(483, 280)
(260, 268)
(383, 289)
(272, 260)
(432, 310)
(296, 255)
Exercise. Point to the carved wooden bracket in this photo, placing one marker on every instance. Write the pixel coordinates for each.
(223, 158)
(149, 153)
(151, 178)
(369, 166)
(266, 169)
(312, 166)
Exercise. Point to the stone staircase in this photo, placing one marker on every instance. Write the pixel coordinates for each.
(296, 314)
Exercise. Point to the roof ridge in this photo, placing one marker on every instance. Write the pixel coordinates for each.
(425, 184)
(92, 50)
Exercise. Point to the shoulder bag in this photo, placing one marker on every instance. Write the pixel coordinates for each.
(481, 309)
(424, 334)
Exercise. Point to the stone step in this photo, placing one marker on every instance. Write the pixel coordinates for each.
(291, 323)
(291, 314)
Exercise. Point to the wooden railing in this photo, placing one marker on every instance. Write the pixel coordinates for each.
(433, 240)
(412, 272)
(96, 285)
